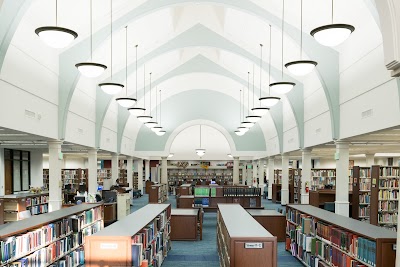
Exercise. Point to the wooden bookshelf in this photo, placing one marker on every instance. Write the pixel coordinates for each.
(276, 193)
(13, 205)
(158, 193)
(131, 239)
(122, 176)
(384, 196)
(103, 174)
(135, 181)
(185, 224)
(70, 226)
(296, 186)
(272, 221)
(277, 176)
(361, 185)
(123, 205)
(148, 185)
(46, 179)
(243, 242)
(185, 189)
(74, 177)
(318, 235)
(323, 178)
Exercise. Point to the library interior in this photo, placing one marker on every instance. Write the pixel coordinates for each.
(211, 133)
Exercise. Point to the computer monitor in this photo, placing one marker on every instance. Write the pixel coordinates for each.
(81, 198)
(67, 187)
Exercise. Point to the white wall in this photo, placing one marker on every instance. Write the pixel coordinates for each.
(2, 171)
(291, 140)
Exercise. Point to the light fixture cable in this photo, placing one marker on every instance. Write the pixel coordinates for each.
(126, 60)
(150, 93)
(261, 47)
(136, 47)
(248, 93)
(283, 26)
(253, 87)
(269, 63)
(160, 107)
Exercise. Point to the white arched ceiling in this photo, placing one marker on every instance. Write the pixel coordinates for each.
(185, 142)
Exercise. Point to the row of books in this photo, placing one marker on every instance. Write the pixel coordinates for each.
(37, 200)
(391, 183)
(389, 171)
(365, 172)
(241, 191)
(387, 218)
(331, 173)
(201, 202)
(364, 199)
(388, 205)
(74, 258)
(363, 211)
(44, 208)
(388, 195)
(365, 185)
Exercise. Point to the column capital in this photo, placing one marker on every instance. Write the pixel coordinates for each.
(236, 158)
(339, 142)
(114, 154)
(164, 158)
(306, 150)
(54, 142)
(92, 151)
(370, 155)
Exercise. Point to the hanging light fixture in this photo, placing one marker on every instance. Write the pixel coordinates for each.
(301, 67)
(136, 111)
(332, 34)
(239, 131)
(170, 155)
(253, 118)
(269, 100)
(126, 101)
(246, 123)
(200, 151)
(144, 118)
(160, 132)
(230, 155)
(91, 69)
(150, 124)
(282, 87)
(54, 36)
(260, 111)
(157, 128)
(110, 87)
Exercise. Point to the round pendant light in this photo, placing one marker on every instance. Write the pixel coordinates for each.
(332, 34)
(230, 155)
(282, 87)
(301, 67)
(261, 111)
(170, 155)
(239, 133)
(253, 118)
(126, 101)
(111, 88)
(200, 151)
(160, 133)
(243, 129)
(151, 124)
(247, 124)
(270, 101)
(54, 36)
(144, 119)
(91, 69)
(156, 129)
(137, 111)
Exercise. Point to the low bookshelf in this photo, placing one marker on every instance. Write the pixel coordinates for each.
(208, 197)
(320, 238)
(243, 242)
(141, 236)
(51, 239)
(14, 205)
(158, 193)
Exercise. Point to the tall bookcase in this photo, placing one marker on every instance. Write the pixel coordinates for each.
(277, 176)
(135, 181)
(384, 196)
(46, 178)
(141, 236)
(53, 238)
(103, 174)
(318, 237)
(361, 193)
(123, 176)
(296, 186)
(74, 177)
(322, 178)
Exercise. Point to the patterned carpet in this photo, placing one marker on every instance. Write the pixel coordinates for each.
(204, 253)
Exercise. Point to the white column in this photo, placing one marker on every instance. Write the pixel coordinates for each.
(261, 175)
(114, 168)
(244, 173)
(164, 174)
(140, 174)
(129, 171)
(305, 174)
(370, 160)
(92, 170)
(55, 183)
(236, 170)
(285, 180)
(255, 173)
(147, 169)
(342, 178)
(270, 175)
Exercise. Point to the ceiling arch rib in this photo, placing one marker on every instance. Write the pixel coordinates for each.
(328, 68)
(198, 35)
(197, 64)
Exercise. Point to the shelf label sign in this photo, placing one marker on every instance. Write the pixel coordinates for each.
(108, 246)
(253, 245)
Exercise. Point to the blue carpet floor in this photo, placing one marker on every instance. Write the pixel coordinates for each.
(204, 253)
